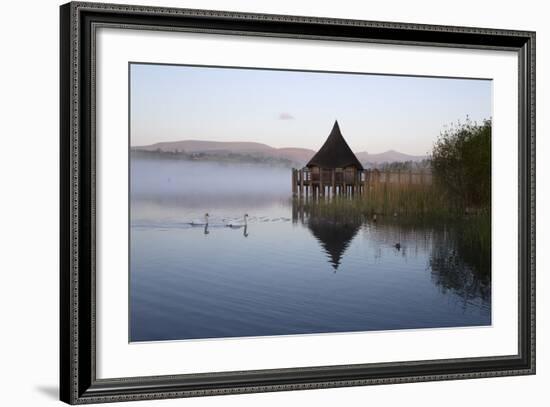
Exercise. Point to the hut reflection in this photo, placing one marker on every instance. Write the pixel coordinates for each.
(334, 233)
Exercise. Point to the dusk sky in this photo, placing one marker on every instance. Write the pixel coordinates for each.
(376, 113)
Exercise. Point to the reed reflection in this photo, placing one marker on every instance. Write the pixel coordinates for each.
(457, 253)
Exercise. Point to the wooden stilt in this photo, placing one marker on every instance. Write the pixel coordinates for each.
(301, 182)
(321, 190)
(294, 182)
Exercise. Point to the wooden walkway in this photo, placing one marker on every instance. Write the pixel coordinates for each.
(305, 183)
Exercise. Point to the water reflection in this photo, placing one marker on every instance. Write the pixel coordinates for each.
(459, 251)
(334, 233)
(461, 263)
(292, 269)
(334, 237)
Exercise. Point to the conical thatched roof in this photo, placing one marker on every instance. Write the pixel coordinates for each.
(335, 153)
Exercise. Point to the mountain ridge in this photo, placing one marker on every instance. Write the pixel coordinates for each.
(295, 154)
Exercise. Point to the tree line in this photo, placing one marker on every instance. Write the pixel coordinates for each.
(461, 163)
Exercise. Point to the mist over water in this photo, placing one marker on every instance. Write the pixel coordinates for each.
(286, 272)
(207, 181)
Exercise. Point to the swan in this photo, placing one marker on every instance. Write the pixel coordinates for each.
(197, 222)
(238, 225)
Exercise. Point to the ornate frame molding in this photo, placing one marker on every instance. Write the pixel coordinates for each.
(79, 21)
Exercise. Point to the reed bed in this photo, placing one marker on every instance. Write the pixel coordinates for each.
(390, 200)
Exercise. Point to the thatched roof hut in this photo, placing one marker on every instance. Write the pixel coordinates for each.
(334, 169)
(335, 153)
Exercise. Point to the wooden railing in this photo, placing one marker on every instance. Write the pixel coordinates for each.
(350, 182)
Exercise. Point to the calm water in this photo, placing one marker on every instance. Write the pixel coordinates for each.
(287, 272)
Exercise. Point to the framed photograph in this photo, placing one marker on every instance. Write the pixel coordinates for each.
(255, 203)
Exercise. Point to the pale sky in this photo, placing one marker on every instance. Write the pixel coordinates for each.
(376, 113)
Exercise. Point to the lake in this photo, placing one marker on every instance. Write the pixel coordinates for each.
(288, 271)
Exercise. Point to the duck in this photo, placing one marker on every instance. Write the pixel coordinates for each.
(397, 246)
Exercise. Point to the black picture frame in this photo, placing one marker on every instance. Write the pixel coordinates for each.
(78, 382)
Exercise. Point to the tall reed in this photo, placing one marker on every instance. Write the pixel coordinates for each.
(388, 200)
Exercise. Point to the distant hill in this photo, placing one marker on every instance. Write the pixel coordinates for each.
(259, 151)
(388, 157)
(295, 156)
(298, 155)
(199, 146)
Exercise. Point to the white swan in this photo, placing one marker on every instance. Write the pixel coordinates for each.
(238, 225)
(197, 222)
